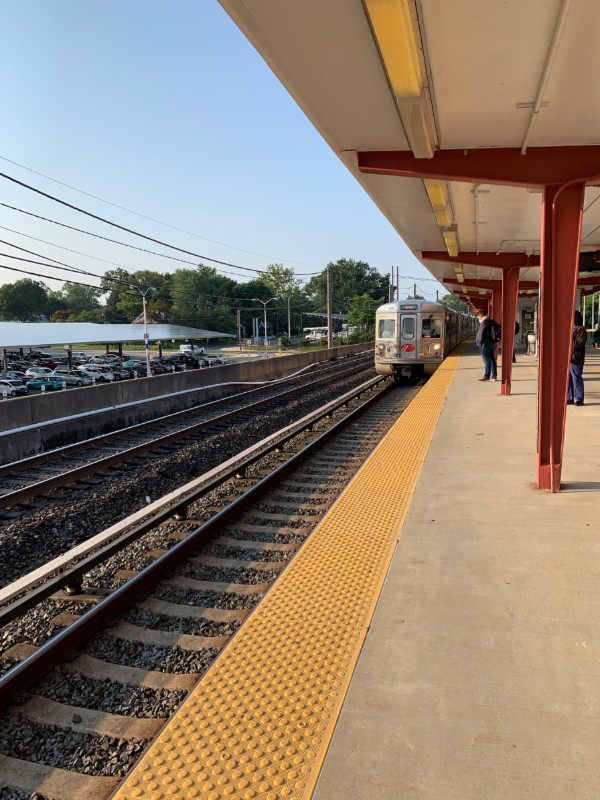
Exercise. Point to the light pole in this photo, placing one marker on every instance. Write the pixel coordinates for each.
(265, 302)
(149, 289)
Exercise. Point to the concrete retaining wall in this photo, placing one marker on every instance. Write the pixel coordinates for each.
(37, 423)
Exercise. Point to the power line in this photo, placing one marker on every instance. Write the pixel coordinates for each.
(129, 230)
(87, 255)
(152, 219)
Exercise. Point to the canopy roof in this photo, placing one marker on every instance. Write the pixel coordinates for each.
(419, 76)
(39, 334)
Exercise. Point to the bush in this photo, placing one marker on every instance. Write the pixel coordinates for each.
(285, 340)
(304, 342)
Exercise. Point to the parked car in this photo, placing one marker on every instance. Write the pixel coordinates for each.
(190, 350)
(36, 372)
(122, 372)
(165, 362)
(131, 362)
(50, 383)
(46, 362)
(17, 375)
(182, 360)
(12, 388)
(96, 372)
(107, 360)
(72, 377)
(213, 361)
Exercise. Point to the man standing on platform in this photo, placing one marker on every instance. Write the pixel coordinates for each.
(486, 341)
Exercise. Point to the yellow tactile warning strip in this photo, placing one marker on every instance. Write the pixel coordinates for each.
(258, 724)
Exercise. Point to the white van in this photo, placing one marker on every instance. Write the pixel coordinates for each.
(189, 351)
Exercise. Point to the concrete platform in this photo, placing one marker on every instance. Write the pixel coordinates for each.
(480, 674)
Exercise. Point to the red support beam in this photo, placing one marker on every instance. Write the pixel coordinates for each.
(540, 166)
(510, 288)
(489, 285)
(562, 210)
(499, 260)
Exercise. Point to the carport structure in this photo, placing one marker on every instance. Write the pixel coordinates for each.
(19, 335)
(475, 128)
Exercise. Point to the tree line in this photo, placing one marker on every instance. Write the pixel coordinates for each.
(202, 298)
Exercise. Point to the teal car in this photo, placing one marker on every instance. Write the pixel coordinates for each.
(49, 382)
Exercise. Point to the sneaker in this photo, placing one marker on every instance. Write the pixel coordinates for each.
(578, 402)
(492, 379)
(483, 379)
(569, 402)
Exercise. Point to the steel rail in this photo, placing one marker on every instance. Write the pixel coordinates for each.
(87, 470)
(60, 575)
(20, 677)
(22, 465)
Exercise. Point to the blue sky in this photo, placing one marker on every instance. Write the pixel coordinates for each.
(164, 108)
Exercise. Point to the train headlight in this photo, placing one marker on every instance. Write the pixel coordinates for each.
(380, 349)
(437, 349)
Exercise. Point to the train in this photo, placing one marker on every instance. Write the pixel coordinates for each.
(412, 337)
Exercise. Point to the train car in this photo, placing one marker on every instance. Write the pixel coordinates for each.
(412, 337)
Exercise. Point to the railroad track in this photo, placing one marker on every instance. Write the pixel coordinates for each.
(172, 606)
(28, 479)
(58, 520)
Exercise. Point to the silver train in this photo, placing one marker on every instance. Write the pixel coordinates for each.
(412, 337)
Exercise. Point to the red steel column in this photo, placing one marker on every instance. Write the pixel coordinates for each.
(495, 312)
(562, 209)
(510, 291)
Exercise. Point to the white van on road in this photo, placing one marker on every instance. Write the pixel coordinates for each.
(191, 351)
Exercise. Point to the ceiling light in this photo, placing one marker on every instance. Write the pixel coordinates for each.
(393, 28)
(451, 240)
(439, 198)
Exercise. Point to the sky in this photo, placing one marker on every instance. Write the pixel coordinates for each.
(166, 110)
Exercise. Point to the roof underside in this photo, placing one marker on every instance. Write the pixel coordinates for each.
(38, 334)
(484, 65)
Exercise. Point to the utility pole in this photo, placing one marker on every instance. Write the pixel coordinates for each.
(437, 296)
(239, 328)
(329, 305)
(289, 321)
(415, 291)
(391, 287)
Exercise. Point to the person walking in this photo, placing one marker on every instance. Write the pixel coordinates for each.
(486, 342)
(578, 341)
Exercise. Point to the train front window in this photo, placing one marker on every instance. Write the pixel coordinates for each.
(408, 328)
(387, 329)
(432, 328)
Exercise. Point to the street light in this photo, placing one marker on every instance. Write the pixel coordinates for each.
(265, 303)
(149, 289)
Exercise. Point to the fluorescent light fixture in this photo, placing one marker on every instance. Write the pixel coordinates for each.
(451, 240)
(438, 192)
(393, 28)
(439, 198)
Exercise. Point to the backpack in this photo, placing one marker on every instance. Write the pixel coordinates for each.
(495, 331)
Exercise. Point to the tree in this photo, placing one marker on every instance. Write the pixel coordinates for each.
(362, 311)
(349, 278)
(124, 304)
(454, 302)
(416, 297)
(81, 298)
(23, 300)
(281, 282)
(200, 299)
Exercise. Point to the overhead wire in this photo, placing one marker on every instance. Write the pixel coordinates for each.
(130, 230)
(152, 219)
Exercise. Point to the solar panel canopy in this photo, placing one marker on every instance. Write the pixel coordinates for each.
(41, 334)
